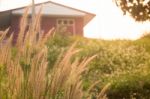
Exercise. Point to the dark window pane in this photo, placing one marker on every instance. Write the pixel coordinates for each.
(59, 21)
(65, 22)
(70, 22)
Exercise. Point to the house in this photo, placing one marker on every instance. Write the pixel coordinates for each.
(55, 15)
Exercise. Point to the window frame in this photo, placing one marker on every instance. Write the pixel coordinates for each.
(68, 20)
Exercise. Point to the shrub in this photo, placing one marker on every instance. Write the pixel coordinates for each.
(114, 63)
(120, 62)
(144, 42)
(56, 46)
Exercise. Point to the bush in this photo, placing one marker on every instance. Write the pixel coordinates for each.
(115, 62)
(123, 63)
(143, 42)
(56, 46)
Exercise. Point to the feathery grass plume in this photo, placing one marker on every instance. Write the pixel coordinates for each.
(23, 25)
(4, 48)
(26, 65)
(66, 76)
(61, 72)
(73, 86)
(3, 35)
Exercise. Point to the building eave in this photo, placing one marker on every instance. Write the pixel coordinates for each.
(87, 17)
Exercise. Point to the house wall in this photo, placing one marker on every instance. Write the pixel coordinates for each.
(79, 25)
(47, 23)
(14, 26)
(5, 19)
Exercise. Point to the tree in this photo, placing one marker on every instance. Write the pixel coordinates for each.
(138, 9)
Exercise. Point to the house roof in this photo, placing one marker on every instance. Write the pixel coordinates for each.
(13, 4)
(56, 9)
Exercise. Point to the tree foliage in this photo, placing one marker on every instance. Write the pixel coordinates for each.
(138, 9)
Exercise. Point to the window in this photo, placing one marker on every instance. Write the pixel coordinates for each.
(70, 22)
(59, 21)
(66, 26)
(67, 22)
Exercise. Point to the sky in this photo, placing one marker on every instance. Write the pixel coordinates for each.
(109, 23)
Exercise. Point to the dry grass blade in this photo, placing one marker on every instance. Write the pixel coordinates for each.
(23, 25)
(61, 72)
(5, 52)
(74, 83)
(37, 24)
(3, 35)
(102, 94)
(43, 38)
(93, 85)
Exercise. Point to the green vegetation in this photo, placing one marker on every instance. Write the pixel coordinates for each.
(123, 63)
(73, 67)
(31, 70)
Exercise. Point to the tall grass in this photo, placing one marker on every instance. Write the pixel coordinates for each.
(23, 67)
